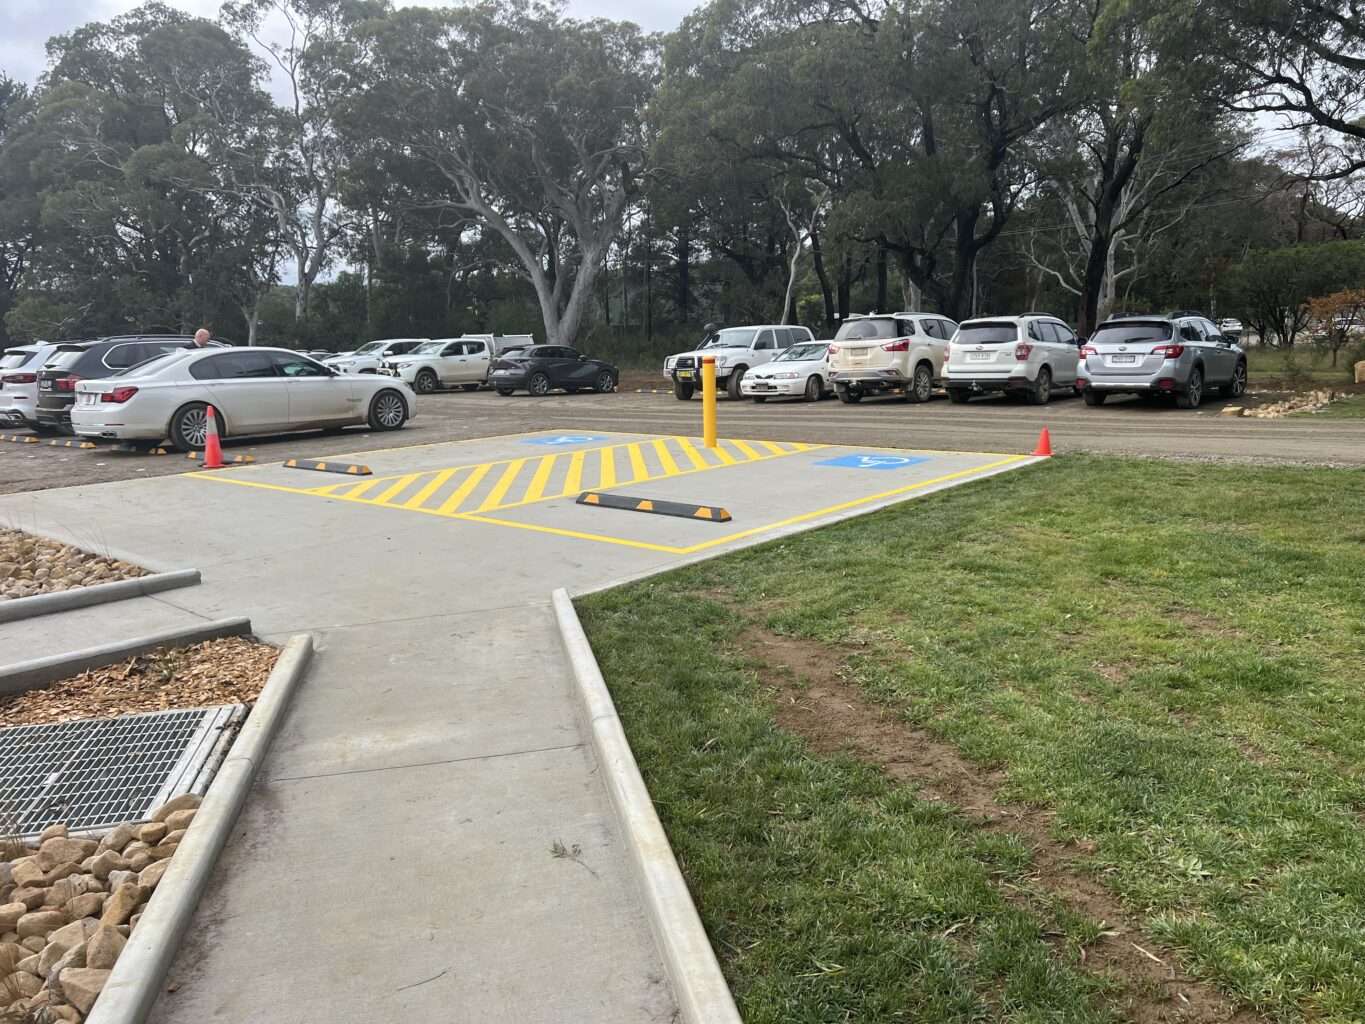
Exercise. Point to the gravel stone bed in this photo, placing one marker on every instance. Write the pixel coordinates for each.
(32, 565)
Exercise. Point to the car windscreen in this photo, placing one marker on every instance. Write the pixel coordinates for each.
(14, 360)
(1131, 331)
(153, 364)
(867, 329)
(797, 352)
(373, 346)
(731, 337)
(64, 358)
(430, 348)
(986, 333)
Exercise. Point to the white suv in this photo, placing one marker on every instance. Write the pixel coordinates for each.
(19, 368)
(737, 351)
(881, 352)
(1030, 354)
(449, 362)
(370, 357)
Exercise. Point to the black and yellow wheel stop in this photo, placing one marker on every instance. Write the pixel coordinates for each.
(348, 468)
(71, 444)
(19, 438)
(131, 449)
(680, 509)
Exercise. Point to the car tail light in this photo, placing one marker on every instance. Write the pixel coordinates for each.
(899, 345)
(1087, 351)
(1169, 351)
(833, 349)
(947, 352)
(1166, 383)
(1081, 382)
(21, 378)
(118, 395)
(67, 383)
(1022, 350)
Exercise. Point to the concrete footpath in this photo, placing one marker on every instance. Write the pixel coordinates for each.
(428, 839)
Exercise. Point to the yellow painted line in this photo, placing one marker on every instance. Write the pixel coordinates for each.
(690, 450)
(607, 474)
(504, 484)
(354, 492)
(574, 481)
(666, 458)
(542, 477)
(722, 453)
(746, 449)
(463, 491)
(399, 485)
(576, 534)
(637, 462)
(433, 485)
(217, 478)
(776, 449)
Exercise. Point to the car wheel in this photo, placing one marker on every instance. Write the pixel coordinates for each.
(388, 411)
(683, 392)
(606, 383)
(1041, 391)
(848, 395)
(1237, 387)
(538, 385)
(190, 426)
(425, 383)
(1194, 391)
(470, 387)
(921, 386)
(736, 378)
(1093, 397)
(958, 397)
(506, 392)
(815, 388)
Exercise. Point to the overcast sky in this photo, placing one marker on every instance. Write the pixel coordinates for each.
(26, 25)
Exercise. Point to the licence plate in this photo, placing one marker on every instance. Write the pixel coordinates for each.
(1123, 359)
(684, 375)
(48, 385)
(980, 357)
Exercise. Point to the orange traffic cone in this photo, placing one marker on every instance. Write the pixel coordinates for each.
(213, 452)
(1044, 444)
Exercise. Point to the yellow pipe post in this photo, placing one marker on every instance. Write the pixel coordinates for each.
(708, 401)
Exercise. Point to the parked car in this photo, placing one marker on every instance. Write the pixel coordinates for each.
(1181, 356)
(449, 362)
(540, 369)
(370, 357)
(883, 352)
(500, 343)
(1030, 354)
(253, 391)
(802, 370)
(737, 350)
(19, 368)
(1229, 326)
(68, 364)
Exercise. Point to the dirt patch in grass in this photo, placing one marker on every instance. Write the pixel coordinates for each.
(230, 670)
(833, 717)
(32, 565)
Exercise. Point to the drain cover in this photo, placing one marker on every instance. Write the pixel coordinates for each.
(96, 773)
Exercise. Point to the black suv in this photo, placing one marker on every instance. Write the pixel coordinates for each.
(90, 360)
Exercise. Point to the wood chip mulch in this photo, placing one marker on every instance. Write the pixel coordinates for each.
(231, 670)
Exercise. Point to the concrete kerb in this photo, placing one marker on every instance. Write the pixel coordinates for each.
(136, 980)
(36, 672)
(100, 593)
(699, 987)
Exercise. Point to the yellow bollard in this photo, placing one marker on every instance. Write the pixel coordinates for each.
(708, 401)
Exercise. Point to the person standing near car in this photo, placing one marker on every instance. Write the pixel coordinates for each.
(201, 338)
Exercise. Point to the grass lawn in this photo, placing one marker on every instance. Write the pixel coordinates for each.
(1120, 680)
(1301, 367)
(1352, 408)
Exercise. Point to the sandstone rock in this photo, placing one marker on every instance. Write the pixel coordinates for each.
(132, 923)
(140, 860)
(1233, 410)
(8, 938)
(6, 874)
(82, 985)
(62, 871)
(153, 833)
(106, 862)
(65, 1013)
(135, 847)
(58, 831)
(72, 935)
(62, 850)
(28, 872)
(151, 874)
(31, 898)
(10, 914)
(10, 954)
(40, 923)
(186, 801)
(25, 984)
(73, 957)
(179, 819)
(103, 948)
(88, 905)
(122, 903)
(117, 878)
(30, 963)
(34, 943)
(1360, 372)
(118, 838)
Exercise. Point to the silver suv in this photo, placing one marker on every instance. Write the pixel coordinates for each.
(1182, 355)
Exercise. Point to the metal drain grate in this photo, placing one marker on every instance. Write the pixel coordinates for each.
(95, 773)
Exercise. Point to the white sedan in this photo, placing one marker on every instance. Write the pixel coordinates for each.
(253, 390)
(802, 370)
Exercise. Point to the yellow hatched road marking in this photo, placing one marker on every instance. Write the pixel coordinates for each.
(353, 492)
(504, 484)
(464, 490)
(435, 484)
(746, 449)
(690, 450)
(574, 481)
(723, 454)
(637, 463)
(776, 449)
(666, 458)
(542, 477)
(398, 485)
(608, 470)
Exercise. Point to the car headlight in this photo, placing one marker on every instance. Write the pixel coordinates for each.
(721, 361)
(785, 376)
(668, 362)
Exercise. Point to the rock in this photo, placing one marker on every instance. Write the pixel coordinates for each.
(25, 984)
(133, 922)
(117, 878)
(62, 871)
(73, 957)
(151, 874)
(58, 831)
(10, 914)
(65, 1013)
(28, 872)
(88, 905)
(140, 860)
(68, 889)
(30, 963)
(1233, 410)
(122, 903)
(82, 985)
(6, 874)
(153, 833)
(103, 948)
(106, 862)
(117, 839)
(184, 802)
(135, 847)
(34, 943)
(31, 898)
(62, 850)
(180, 819)
(71, 935)
(40, 923)
(1360, 372)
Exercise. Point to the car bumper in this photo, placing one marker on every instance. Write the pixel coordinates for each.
(750, 388)
(16, 414)
(982, 385)
(92, 421)
(1169, 378)
(886, 377)
(693, 377)
(507, 378)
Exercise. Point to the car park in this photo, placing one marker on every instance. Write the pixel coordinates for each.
(370, 357)
(19, 368)
(1181, 357)
(889, 352)
(253, 391)
(801, 371)
(448, 362)
(737, 350)
(69, 364)
(541, 369)
(1030, 354)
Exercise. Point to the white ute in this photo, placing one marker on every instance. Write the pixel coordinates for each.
(737, 351)
(447, 362)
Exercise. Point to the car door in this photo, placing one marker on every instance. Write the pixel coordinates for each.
(449, 363)
(242, 383)
(1068, 349)
(763, 349)
(555, 362)
(578, 370)
(316, 396)
(477, 362)
(1220, 360)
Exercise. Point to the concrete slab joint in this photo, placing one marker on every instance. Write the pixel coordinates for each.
(137, 977)
(702, 995)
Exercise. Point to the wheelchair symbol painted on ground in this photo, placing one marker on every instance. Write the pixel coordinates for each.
(559, 440)
(873, 460)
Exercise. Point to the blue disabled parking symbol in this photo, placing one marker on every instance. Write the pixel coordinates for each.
(564, 440)
(874, 460)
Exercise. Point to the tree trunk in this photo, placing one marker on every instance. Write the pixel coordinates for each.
(819, 260)
(845, 285)
(1096, 269)
(684, 269)
(882, 297)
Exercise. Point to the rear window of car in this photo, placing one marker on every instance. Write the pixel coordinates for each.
(868, 328)
(64, 358)
(987, 333)
(14, 360)
(1132, 330)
